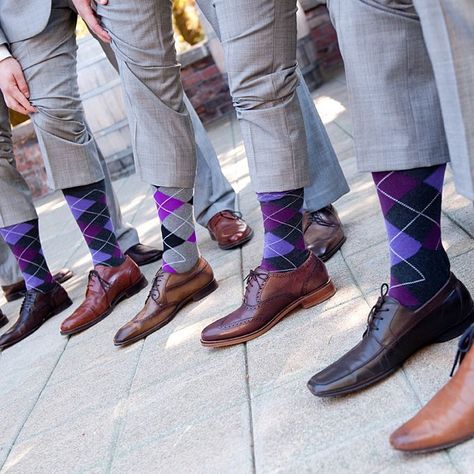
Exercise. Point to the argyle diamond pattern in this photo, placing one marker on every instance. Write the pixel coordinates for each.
(411, 204)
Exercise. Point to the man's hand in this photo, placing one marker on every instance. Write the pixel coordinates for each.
(86, 12)
(14, 87)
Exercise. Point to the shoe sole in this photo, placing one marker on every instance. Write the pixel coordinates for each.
(450, 334)
(197, 296)
(330, 254)
(127, 293)
(436, 448)
(318, 296)
(58, 310)
(3, 321)
(234, 245)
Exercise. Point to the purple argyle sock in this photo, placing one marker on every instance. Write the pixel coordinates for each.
(411, 204)
(24, 241)
(88, 205)
(284, 248)
(175, 209)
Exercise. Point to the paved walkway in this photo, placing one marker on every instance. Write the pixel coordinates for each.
(168, 405)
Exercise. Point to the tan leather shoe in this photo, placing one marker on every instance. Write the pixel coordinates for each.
(229, 230)
(269, 297)
(107, 287)
(448, 419)
(169, 293)
(37, 307)
(323, 232)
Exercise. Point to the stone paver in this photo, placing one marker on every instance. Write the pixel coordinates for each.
(166, 404)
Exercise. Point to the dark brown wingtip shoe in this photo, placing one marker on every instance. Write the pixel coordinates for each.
(448, 418)
(107, 287)
(393, 334)
(268, 298)
(3, 319)
(37, 307)
(229, 230)
(323, 232)
(169, 293)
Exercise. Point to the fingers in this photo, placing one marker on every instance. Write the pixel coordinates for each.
(90, 18)
(20, 98)
(15, 105)
(21, 83)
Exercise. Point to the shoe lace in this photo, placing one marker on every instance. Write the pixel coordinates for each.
(154, 293)
(94, 275)
(374, 315)
(231, 214)
(28, 300)
(318, 218)
(464, 346)
(255, 276)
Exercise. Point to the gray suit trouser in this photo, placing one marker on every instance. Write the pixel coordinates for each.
(260, 53)
(410, 76)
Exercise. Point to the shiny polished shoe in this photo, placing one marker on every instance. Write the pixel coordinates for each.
(18, 290)
(144, 254)
(107, 287)
(3, 319)
(37, 307)
(229, 230)
(323, 232)
(448, 419)
(394, 333)
(268, 298)
(169, 293)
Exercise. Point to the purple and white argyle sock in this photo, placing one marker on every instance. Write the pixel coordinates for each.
(24, 241)
(88, 205)
(284, 248)
(175, 210)
(411, 205)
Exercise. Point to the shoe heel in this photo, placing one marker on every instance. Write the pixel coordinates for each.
(320, 295)
(458, 330)
(3, 320)
(207, 290)
(137, 287)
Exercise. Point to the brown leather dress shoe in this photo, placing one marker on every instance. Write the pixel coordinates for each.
(323, 232)
(269, 297)
(3, 319)
(394, 333)
(169, 293)
(18, 290)
(229, 229)
(144, 254)
(36, 309)
(107, 287)
(448, 419)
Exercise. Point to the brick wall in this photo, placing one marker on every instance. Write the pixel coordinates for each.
(324, 38)
(207, 89)
(29, 161)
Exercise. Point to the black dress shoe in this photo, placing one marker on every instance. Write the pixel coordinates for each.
(18, 290)
(393, 334)
(3, 319)
(37, 307)
(144, 254)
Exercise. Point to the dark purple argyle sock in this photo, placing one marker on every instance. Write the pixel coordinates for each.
(24, 241)
(88, 205)
(284, 248)
(411, 204)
